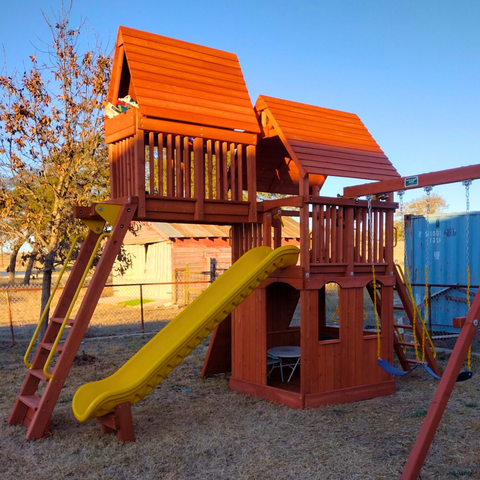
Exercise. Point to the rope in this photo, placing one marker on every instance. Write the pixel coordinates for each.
(466, 184)
(427, 262)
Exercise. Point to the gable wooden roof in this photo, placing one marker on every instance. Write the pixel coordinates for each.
(175, 80)
(322, 141)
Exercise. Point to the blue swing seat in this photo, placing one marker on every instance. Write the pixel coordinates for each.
(384, 365)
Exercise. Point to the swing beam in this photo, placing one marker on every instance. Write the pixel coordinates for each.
(423, 180)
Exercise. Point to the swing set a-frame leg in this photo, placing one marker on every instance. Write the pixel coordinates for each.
(442, 394)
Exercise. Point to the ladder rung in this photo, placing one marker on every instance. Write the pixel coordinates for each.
(398, 307)
(31, 401)
(408, 344)
(401, 325)
(412, 361)
(38, 372)
(49, 346)
(70, 322)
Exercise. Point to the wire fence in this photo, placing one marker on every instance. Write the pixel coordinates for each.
(136, 308)
(122, 309)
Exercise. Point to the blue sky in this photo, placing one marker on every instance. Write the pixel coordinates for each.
(410, 69)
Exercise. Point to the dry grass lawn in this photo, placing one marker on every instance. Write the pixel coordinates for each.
(193, 428)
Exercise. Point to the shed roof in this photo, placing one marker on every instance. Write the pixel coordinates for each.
(176, 80)
(154, 232)
(323, 141)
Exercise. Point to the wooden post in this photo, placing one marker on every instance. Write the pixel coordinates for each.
(119, 422)
(442, 394)
(252, 183)
(304, 227)
(139, 169)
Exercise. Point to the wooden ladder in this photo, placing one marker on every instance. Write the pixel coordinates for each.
(32, 408)
(402, 346)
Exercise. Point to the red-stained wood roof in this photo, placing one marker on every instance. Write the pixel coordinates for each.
(184, 82)
(324, 142)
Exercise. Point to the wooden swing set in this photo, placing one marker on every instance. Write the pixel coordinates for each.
(193, 149)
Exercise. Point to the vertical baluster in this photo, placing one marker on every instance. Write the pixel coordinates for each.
(340, 233)
(160, 169)
(218, 172)
(364, 236)
(188, 168)
(321, 233)
(375, 234)
(233, 163)
(248, 236)
(334, 230)
(315, 234)
(209, 170)
(348, 238)
(358, 230)
(151, 162)
(225, 170)
(380, 237)
(328, 210)
(112, 158)
(132, 159)
(199, 177)
(128, 156)
(121, 172)
(170, 173)
(240, 171)
(178, 166)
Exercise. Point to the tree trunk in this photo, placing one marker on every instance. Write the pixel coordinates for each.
(28, 271)
(46, 285)
(13, 261)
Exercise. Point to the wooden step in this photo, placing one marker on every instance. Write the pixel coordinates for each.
(401, 325)
(59, 320)
(408, 344)
(31, 401)
(49, 346)
(38, 372)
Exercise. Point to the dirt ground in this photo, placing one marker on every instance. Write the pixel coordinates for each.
(193, 428)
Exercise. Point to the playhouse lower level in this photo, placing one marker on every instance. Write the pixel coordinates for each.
(338, 356)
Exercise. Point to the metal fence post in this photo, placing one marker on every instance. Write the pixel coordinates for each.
(141, 309)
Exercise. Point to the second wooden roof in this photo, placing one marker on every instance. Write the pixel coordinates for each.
(322, 141)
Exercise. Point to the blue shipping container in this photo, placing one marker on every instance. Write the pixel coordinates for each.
(440, 243)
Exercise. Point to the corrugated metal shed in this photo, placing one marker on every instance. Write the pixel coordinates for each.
(322, 141)
(440, 242)
(181, 81)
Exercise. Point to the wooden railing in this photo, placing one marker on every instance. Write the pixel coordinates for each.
(184, 167)
(342, 231)
(154, 165)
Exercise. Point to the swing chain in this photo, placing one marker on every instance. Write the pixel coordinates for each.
(401, 193)
(466, 184)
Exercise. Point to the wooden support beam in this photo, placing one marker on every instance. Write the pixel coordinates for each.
(441, 177)
(252, 182)
(120, 422)
(442, 394)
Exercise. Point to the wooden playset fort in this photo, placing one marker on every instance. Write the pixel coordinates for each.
(191, 148)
